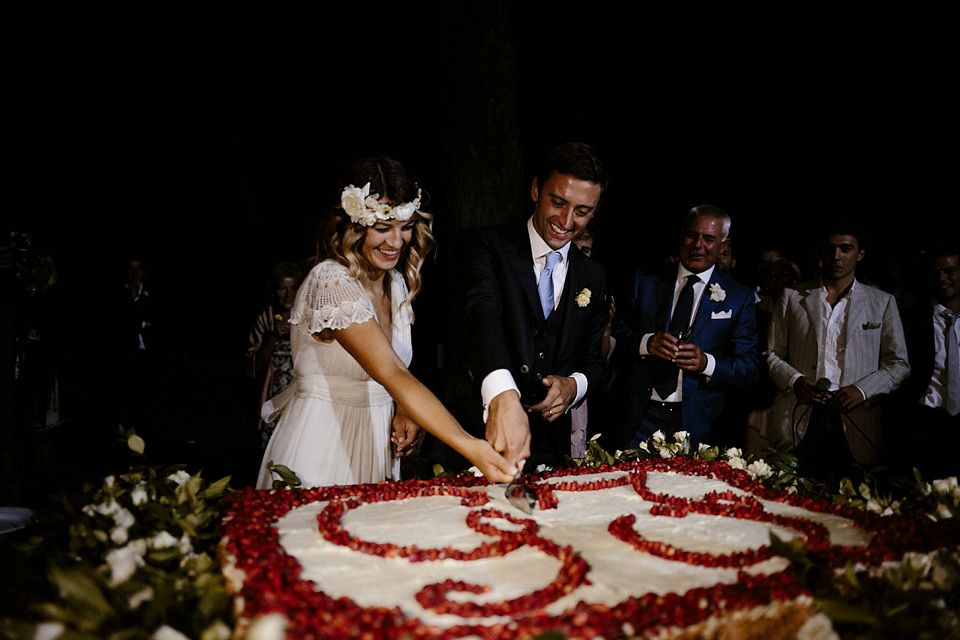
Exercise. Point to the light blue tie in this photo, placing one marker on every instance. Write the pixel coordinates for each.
(545, 286)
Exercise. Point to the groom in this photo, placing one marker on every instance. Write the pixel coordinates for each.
(531, 316)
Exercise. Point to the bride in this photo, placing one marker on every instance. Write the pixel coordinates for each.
(353, 408)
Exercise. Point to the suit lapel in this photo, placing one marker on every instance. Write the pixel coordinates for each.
(811, 305)
(707, 306)
(521, 261)
(665, 287)
(859, 310)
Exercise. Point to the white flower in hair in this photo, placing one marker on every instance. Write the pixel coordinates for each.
(353, 199)
(365, 208)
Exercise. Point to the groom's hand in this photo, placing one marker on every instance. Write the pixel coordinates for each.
(508, 429)
(561, 392)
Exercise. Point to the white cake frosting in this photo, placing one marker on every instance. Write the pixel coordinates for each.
(581, 519)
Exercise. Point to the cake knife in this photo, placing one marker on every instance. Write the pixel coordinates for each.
(518, 496)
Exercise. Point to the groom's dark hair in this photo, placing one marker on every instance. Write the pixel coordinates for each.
(577, 159)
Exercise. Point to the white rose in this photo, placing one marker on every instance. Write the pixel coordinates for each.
(817, 628)
(717, 294)
(179, 477)
(217, 631)
(139, 496)
(352, 200)
(124, 561)
(945, 485)
(760, 469)
(271, 626)
(185, 546)
(118, 535)
(702, 447)
(736, 463)
(658, 436)
(167, 633)
(48, 631)
(403, 212)
(123, 518)
(666, 453)
(107, 508)
(163, 540)
(144, 595)
(680, 436)
(733, 452)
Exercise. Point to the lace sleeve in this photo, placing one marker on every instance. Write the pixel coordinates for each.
(330, 299)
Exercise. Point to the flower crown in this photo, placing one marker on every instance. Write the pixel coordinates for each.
(366, 209)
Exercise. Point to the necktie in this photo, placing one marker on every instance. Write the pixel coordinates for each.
(545, 286)
(953, 366)
(679, 322)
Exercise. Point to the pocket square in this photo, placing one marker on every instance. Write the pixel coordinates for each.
(871, 325)
(721, 315)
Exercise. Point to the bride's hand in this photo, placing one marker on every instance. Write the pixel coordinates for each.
(493, 465)
(404, 433)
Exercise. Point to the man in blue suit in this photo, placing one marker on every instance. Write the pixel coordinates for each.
(688, 334)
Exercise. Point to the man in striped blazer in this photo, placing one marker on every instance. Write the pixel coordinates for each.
(835, 349)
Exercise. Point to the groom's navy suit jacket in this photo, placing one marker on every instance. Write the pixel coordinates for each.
(500, 325)
(726, 329)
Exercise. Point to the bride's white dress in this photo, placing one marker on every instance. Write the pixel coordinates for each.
(335, 421)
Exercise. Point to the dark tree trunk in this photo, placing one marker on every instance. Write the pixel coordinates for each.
(483, 174)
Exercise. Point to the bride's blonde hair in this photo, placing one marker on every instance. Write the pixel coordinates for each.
(341, 239)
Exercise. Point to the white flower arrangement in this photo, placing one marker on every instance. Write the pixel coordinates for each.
(139, 542)
(366, 209)
(717, 294)
(108, 588)
(583, 298)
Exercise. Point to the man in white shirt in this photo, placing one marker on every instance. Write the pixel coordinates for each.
(530, 316)
(929, 401)
(836, 348)
(688, 335)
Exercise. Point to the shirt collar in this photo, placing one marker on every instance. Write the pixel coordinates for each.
(823, 289)
(939, 309)
(704, 275)
(539, 248)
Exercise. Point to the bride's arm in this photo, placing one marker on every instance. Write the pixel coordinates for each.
(369, 347)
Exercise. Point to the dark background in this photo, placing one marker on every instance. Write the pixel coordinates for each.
(205, 136)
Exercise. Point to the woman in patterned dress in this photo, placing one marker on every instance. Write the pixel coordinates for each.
(269, 357)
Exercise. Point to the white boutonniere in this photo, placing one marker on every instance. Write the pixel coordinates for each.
(717, 294)
(583, 298)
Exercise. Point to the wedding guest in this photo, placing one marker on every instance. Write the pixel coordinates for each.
(354, 407)
(531, 314)
(586, 421)
(926, 422)
(775, 277)
(133, 337)
(688, 335)
(269, 358)
(835, 349)
(726, 263)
